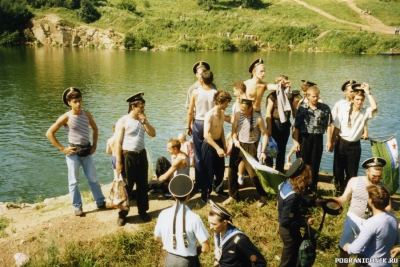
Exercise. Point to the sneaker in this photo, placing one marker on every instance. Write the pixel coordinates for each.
(78, 211)
(261, 202)
(121, 221)
(102, 206)
(240, 180)
(229, 201)
(145, 217)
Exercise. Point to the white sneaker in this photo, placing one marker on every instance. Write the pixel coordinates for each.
(240, 180)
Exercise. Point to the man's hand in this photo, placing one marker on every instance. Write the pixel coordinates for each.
(189, 131)
(263, 157)
(296, 146)
(310, 220)
(70, 151)
(142, 118)
(92, 150)
(329, 147)
(221, 152)
(237, 143)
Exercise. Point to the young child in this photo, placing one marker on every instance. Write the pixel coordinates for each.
(111, 150)
(79, 150)
(187, 147)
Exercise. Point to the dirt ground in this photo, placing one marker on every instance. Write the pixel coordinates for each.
(32, 227)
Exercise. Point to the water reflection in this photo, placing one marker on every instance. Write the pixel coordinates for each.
(32, 80)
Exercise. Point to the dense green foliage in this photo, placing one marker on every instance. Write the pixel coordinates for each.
(218, 25)
(129, 5)
(14, 18)
(88, 13)
(71, 4)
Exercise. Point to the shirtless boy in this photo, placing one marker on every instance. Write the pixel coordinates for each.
(213, 148)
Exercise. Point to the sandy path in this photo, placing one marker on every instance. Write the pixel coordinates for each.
(372, 24)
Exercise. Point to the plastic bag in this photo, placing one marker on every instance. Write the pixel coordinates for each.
(307, 251)
(272, 148)
(118, 198)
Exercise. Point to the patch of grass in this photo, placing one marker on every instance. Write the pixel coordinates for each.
(338, 9)
(3, 225)
(386, 11)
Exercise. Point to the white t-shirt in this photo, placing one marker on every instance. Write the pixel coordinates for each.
(338, 105)
(356, 130)
(195, 230)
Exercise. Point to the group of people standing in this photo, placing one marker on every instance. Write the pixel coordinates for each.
(344, 125)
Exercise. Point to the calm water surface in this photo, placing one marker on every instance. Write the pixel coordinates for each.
(33, 79)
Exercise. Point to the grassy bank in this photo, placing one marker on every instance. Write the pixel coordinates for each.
(138, 248)
(276, 25)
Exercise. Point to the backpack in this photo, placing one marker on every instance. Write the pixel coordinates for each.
(307, 251)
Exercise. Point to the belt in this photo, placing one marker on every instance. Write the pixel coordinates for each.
(133, 152)
(349, 142)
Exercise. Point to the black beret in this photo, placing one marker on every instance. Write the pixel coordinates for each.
(180, 185)
(308, 83)
(67, 91)
(351, 82)
(135, 97)
(220, 211)
(255, 63)
(297, 167)
(373, 162)
(200, 64)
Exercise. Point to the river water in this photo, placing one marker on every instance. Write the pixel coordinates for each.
(33, 79)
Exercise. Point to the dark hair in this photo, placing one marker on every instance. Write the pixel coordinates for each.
(175, 143)
(379, 196)
(239, 86)
(73, 95)
(213, 214)
(300, 182)
(207, 77)
(135, 104)
(222, 96)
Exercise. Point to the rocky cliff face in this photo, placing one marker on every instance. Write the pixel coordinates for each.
(52, 31)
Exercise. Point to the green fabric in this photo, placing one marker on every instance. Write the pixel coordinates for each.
(270, 181)
(269, 178)
(390, 175)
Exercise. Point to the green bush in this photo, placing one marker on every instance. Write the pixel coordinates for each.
(88, 13)
(225, 44)
(247, 45)
(10, 38)
(129, 5)
(146, 3)
(132, 41)
(207, 4)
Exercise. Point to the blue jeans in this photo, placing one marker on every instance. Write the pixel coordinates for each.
(73, 163)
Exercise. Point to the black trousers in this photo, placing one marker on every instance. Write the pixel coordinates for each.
(198, 137)
(347, 161)
(162, 166)
(135, 171)
(233, 184)
(311, 152)
(213, 166)
(280, 133)
(291, 238)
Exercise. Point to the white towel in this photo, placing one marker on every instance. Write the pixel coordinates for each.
(282, 95)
